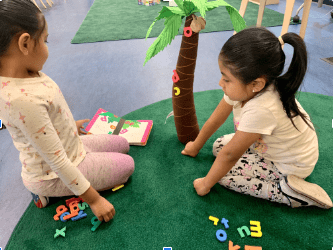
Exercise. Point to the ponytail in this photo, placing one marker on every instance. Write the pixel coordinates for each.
(256, 52)
(288, 84)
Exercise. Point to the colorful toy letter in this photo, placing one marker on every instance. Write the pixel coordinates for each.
(96, 222)
(225, 223)
(80, 216)
(175, 77)
(177, 89)
(78, 199)
(246, 229)
(219, 233)
(187, 29)
(63, 215)
(118, 187)
(216, 220)
(257, 230)
(83, 206)
(232, 247)
(74, 207)
(252, 248)
(60, 232)
(60, 210)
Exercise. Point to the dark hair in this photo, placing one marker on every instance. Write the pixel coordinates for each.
(16, 18)
(256, 52)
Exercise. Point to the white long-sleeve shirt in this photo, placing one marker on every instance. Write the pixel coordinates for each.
(293, 152)
(43, 129)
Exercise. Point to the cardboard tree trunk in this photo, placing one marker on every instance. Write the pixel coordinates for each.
(183, 104)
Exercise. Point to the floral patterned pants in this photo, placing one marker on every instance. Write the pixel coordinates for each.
(106, 165)
(252, 174)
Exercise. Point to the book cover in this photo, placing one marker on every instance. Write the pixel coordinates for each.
(136, 132)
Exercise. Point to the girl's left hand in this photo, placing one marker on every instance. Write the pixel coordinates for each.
(200, 187)
(79, 125)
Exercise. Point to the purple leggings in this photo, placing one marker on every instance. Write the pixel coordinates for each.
(106, 165)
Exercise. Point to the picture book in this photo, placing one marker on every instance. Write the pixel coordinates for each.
(136, 132)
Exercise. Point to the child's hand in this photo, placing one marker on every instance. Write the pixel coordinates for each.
(103, 209)
(79, 125)
(200, 187)
(190, 149)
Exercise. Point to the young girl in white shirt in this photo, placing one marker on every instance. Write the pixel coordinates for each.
(56, 161)
(274, 147)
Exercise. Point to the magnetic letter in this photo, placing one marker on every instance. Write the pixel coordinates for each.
(80, 216)
(175, 77)
(60, 210)
(225, 223)
(257, 230)
(83, 206)
(246, 229)
(219, 233)
(232, 247)
(252, 248)
(187, 29)
(96, 222)
(212, 218)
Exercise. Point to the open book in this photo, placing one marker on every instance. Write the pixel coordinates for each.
(136, 132)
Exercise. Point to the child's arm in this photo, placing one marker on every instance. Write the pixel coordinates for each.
(219, 116)
(225, 160)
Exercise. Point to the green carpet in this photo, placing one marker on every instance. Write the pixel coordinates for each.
(125, 19)
(159, 207)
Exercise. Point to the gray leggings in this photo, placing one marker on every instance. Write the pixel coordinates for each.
(252, 174)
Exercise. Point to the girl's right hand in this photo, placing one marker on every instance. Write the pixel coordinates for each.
(103, 209)
(190, 149)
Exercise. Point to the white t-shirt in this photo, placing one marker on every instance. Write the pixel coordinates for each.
(293, 152)
(43, 129)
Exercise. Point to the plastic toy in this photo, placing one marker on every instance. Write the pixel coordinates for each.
(80, 216)
(216, 220)
(257, 229)
(71, 215)
(60, 232)
(232, 247)
(116, 188)
(63, 215)
(78, 199)
(177, 89)
(246, 229)
(83, 206)
(219, 233)
(175, 76)
(187, 31)
(96, 222)
(252, 248)
(60, 210)
(225, 223)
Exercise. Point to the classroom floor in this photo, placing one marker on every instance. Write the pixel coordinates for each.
(110, 75)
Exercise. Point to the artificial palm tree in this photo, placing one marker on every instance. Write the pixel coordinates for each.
(183, 77)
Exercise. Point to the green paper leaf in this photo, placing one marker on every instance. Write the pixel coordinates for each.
(201, 6)
(236, 19)
(164, 13)
(172, 25)
(180, 4)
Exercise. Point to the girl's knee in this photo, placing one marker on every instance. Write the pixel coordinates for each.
(121, 142)
(129, 164)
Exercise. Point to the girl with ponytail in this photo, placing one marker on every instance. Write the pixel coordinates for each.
(274, 147)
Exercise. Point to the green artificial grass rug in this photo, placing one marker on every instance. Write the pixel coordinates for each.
(158, 207)
(125, 19)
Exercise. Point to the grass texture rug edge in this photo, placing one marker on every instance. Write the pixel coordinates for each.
(110, 21)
